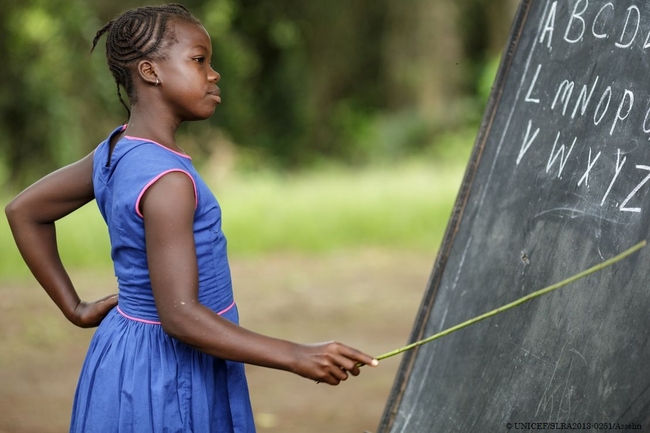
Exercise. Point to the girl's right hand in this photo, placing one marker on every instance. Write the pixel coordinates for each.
(91, 314)
(330, 362)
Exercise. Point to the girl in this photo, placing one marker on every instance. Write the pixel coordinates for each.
(168, 352)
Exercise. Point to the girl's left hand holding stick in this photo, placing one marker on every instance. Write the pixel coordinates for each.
(32, 215)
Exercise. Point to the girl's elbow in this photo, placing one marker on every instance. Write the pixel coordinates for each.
(177, 326)
(12, 210)
(19, 214)
(171, 328)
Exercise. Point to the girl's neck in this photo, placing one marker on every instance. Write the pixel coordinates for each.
(152, 127)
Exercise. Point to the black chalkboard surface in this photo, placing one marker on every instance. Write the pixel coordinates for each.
(558, 181)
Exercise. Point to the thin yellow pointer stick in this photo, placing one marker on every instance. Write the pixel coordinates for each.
(517, 302)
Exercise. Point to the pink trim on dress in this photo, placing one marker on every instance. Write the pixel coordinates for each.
(184, 155)
(149, 322)
(225, 310)
(152, 181)
(152, 322)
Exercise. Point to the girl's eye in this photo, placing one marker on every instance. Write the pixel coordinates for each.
(199, 59)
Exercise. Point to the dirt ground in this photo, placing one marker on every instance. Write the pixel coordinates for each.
(367, 299)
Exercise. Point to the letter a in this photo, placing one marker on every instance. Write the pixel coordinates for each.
(549, 26)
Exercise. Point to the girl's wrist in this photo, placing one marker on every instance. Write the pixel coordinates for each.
(293, 360)
(69, 310)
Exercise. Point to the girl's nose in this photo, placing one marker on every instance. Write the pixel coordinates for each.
(215, 76)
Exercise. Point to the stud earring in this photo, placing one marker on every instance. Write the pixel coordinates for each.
(157, 81)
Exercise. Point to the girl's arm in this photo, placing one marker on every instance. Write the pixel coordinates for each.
(31, 216)
(168, 210)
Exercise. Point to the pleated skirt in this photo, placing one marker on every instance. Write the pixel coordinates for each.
(138, 379)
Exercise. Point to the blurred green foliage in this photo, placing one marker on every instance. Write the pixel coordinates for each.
(399, 207)
(357, 81)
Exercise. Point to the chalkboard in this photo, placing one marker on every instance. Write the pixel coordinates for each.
(558, 181)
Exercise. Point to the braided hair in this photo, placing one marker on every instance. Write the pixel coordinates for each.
(140, 33)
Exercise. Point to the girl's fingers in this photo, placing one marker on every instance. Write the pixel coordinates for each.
(110, 298)
(339, 373)
(350, 360)
(358, 357)
(346, 364)
(338, 361)
(354, 371)
(331, 380)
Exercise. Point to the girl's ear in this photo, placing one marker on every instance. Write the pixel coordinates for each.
(147, 71)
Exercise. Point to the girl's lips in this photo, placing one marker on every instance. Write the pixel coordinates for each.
(216, 95)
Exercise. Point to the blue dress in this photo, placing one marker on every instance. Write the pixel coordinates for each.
(135, 377)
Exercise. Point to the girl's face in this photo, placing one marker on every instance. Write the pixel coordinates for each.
(188, 82)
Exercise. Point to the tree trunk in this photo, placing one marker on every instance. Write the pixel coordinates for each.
(423, 57)
(500, 14)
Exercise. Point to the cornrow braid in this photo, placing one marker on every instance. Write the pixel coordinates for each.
(138, 34)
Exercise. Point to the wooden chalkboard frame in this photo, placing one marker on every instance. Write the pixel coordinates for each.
(456, 217)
